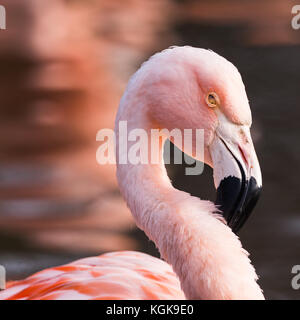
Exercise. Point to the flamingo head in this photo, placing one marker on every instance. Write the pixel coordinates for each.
(192, 88)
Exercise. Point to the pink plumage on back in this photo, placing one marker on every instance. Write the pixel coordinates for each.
(112, 276)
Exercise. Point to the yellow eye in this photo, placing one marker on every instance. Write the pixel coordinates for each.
(213, 100)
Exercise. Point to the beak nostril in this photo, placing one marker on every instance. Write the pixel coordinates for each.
(244, 156)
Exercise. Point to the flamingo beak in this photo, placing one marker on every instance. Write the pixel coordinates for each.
(237, 174)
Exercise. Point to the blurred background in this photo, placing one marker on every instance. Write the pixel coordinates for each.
(64, 65)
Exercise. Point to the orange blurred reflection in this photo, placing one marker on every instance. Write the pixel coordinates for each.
(63, 67)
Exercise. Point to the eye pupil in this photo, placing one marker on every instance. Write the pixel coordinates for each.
(212, 100)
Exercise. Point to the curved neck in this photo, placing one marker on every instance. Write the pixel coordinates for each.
(204, 253)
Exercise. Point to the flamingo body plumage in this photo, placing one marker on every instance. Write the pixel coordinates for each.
(112, 276)
(204, 258)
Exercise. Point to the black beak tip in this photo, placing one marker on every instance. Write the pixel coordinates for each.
(236, 200)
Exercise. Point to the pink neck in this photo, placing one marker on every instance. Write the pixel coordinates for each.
(205, 254)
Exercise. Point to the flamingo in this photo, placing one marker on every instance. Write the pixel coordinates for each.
(180, 87)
